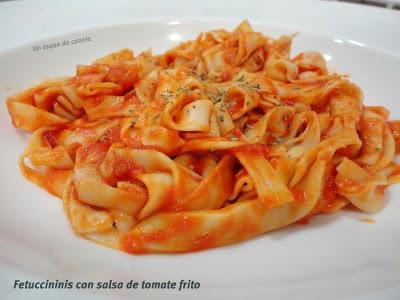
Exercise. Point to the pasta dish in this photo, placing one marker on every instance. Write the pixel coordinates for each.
(217, 140)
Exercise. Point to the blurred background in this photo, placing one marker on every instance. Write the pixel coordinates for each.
(391, 4)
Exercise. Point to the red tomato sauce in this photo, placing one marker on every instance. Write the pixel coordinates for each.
(112, 135)
(349, 185)
(226, 76)
(50, 138)
(94, 152)
(203, 241)
(87, 78)
(235, 102)
(346, 151)
(255, 149)
(395, 129)
(125, 169)
(169, 199)
(329, 189)
(55, 180)
(305, 220)
(135, 142)
(381, 189)
(196, 165)
(298, 195)
(125, 75)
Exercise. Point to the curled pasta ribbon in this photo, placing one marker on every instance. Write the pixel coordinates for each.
(243, 183)
(270, 189)
(281, 70)
(205, 195)
(191, 231)
(47, 166)
(83, 218)
(351, 180)
(97, 91)
(30, 118)
(378, 142)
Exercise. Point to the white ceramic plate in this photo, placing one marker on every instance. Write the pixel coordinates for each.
(335, 257)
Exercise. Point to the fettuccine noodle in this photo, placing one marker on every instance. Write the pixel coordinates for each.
(213, 142)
